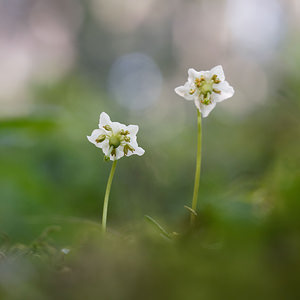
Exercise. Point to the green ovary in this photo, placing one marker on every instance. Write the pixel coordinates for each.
(114, 141)
(206, 88)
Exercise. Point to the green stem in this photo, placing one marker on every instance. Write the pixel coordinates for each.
(198, 168)
(106, 197)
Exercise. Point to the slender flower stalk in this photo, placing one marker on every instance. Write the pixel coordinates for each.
(206, 89)
(106, 197)
(198, 168)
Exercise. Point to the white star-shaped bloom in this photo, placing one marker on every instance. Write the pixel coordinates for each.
(206, 88)
(115, 139)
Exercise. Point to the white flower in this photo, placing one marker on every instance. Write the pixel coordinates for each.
(115, 139)
(65, 251)
(206, 88)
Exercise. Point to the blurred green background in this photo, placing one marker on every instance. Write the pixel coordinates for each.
(63, 62)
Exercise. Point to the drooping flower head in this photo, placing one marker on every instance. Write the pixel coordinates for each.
(206, 88)
(115, 139)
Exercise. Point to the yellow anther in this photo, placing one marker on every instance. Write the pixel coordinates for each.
(107, 127)
(127, 148)
(216, 91)
(122, 132)
(192, 91)
(215, 79)
(100, 138)
(198, 81)
(127, 139)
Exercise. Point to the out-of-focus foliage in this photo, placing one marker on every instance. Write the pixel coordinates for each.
(52, 180)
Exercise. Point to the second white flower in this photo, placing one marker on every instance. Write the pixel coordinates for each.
(115, 139)
(206, 88)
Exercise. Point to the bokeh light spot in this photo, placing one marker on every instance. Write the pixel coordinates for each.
(135, 81)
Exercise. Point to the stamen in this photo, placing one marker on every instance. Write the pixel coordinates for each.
(100, 138)
(216, 91)
(127, 139)
(198, 81)
(206, 100)
(122, 132)
(192, 91)
(215, 79)
(107, 127)
(126, 148)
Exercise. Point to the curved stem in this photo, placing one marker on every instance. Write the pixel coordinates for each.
(106, 197)
(198, 168)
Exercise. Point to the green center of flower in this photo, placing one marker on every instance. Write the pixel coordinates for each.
(114, 141)
(205, 88)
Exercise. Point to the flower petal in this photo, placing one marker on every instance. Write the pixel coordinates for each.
(206, 109)
(133, 140)
(193, 74)
(119, 153)
(184, 91)
(92, 138)
(104, 119)
(206, 74)
(133, 129)
(197, 103)
(218, 70)
(105, 147)
(227, 91)
(139, 151)
(117, 127)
